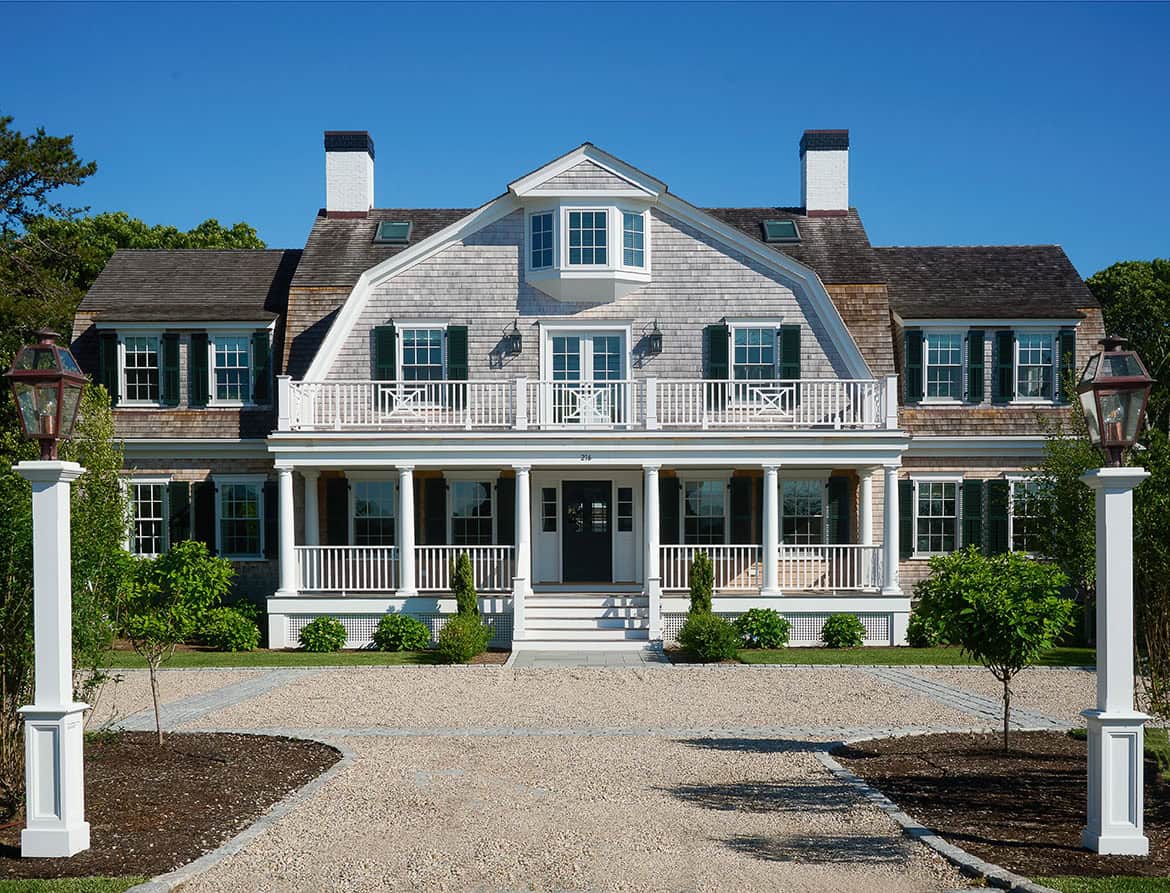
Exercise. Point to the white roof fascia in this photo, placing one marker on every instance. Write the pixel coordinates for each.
(642, 182)
(991, 323)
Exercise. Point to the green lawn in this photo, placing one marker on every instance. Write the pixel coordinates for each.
(1057, 657)
(1106, 884)
(72, 885)
(130, 660)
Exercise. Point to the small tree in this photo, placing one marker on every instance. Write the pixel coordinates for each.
(1004, 610)
(165, 600)
(702, 584)
(463, 586)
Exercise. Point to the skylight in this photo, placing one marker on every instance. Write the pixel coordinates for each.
(781, 231)
(393, 232)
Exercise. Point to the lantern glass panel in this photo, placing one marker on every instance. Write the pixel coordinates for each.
(1122, 365)
(68, 363)
(26, 402)
(71, 400)
(46, 409)
(1119, 415)
(1091, 368)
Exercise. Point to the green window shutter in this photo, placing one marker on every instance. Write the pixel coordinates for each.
(179, 506)
(997, 516)
(715, 352)
(198, 363)
(168, 385)
(913, 338)
(741, 509)
(790, 355)
(905, 518)
(840, 509)
(203, 505)
(506, 511)
(337, 511)
(385, 353)
(973, 514)
(435, 509)
(457, 353)
(262, 367)
(1067, 346)
(108, 365)
(271, 520)
(1003, 385)
(974, 367)
(668, 509)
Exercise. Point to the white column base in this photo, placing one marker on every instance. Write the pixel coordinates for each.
(892, 590)
(277, 629)
(771, 593)
(654, 601)
(55, 803)
(898, 626)
(521, 589)
(1116, 780)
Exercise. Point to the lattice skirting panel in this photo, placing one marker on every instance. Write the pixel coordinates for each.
(806, 628)
(359, 628)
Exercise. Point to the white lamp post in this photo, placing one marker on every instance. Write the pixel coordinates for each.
(1113, 391)
(47, 385)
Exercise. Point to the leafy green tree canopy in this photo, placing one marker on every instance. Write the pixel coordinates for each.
(32, 168)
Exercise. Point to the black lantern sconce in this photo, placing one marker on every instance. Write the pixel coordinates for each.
(654, 341)
(513, 340)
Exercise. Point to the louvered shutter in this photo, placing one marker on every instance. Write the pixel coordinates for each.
(108, 375)
(839, 510)
(506, 511)
(997, 516)
(262, 367)
(913, 339)
(203, 506)
(271, 520)
(1068, 362)
(790, 356)
(179, 506)
(1004, 384)
(668, 509)
(457, 353)
(199, 374)
(973, 514)
(385, 353)
(716, 366)
(435, 511)
(905, 518)
(975, 367)
(337, 511)
(169, 385)
(741, 510)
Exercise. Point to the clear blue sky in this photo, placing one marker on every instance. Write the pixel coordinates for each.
(970, 124)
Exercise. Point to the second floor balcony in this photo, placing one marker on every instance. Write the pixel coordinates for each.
(649, 404)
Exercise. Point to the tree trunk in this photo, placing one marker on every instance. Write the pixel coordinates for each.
(153, 664)
(1007, 710)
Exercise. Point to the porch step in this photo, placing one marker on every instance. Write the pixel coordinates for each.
(585, 623)
(566, 637)
(586, 602)
(565, 611)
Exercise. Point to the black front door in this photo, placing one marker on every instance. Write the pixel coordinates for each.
(587, 545)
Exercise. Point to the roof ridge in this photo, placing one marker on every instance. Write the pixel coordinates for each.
(964, 247)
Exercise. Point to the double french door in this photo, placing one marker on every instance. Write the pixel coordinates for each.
(586, 380)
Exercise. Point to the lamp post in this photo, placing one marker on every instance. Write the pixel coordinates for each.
(1113, 391)
(47, 384)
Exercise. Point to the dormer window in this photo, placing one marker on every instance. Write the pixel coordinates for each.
(588, 238)
(542, 241)
(633, 240)
(587, 254)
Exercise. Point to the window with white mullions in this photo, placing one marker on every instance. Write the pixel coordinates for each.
(422, 355)
(141, 368)
(240, 519)
(548, 510)
(233, 380)
(704, 512)
(937, 517)
(633, 240)
(1026, 503)
(754, 356)
(149, 519)
(803, 512)
(542, 240)
(471, 513)
(373, 513)
(1034, 360)
(588, 238)
(944, 365)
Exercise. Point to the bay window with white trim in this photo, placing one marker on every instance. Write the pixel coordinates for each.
(588, 237)
(239, 507)
(936, 515)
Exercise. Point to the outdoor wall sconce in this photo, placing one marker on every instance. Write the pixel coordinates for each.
(513, 340)
(46, 384)
(654, 341)
(1113, 391)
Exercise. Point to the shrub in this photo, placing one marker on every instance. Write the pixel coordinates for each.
(843, 631)
(923, 631)
(702, 584)
(228, 629)
(323, 634)
(709, 637)
(763, 628)
(401, 632)
(463, 586)
(462, 638)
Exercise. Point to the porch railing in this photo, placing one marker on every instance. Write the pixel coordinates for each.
(648, 403)
(814, 568)
(492, 567)
(347, 568)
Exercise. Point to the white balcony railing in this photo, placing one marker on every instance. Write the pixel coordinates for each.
(492, 567)
(647, 404)
(736, 568)
(814, 568)
(347, 568)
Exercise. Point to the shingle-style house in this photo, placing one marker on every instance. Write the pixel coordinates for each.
(581, 384)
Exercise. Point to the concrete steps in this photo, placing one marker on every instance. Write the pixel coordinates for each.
(582, 619)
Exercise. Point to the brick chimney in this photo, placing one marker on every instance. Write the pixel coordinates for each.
(349, 173)
(824, 173)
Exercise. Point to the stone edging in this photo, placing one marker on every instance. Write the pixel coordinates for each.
(968, 864)
(181, 875)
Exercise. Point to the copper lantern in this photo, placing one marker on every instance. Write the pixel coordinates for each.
(1113, 391)
(46, 384)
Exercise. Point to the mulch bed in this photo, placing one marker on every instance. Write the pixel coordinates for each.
(153, 809)
(1023, 810)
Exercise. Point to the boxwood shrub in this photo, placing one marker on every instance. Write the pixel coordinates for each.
(709, 637)
(843, 631)
(323, 634)
(763, 628)
(462, 638)
(401, 632)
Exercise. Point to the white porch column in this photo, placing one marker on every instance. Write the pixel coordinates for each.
(312, 513)
(890, 531)
(288, 554)
(652, 561)
(771, 532)
(522, 581)
(1116, 735)
(407, 581)
(865, 507)
(54, 783)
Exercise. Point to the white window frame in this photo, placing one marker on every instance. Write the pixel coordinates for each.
(583, 330)
(395, 503)
(474, 477)
(723, 478)
(791, 476)
(1013, 480)
(958, 399)
(214, 337)
(957, 480)
(1053, 339)
(122, 368)
(528, 234)
(132, 538)
(256, 480)
(736, 325)
(400, 330)
(645, 216)
(608, 211)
